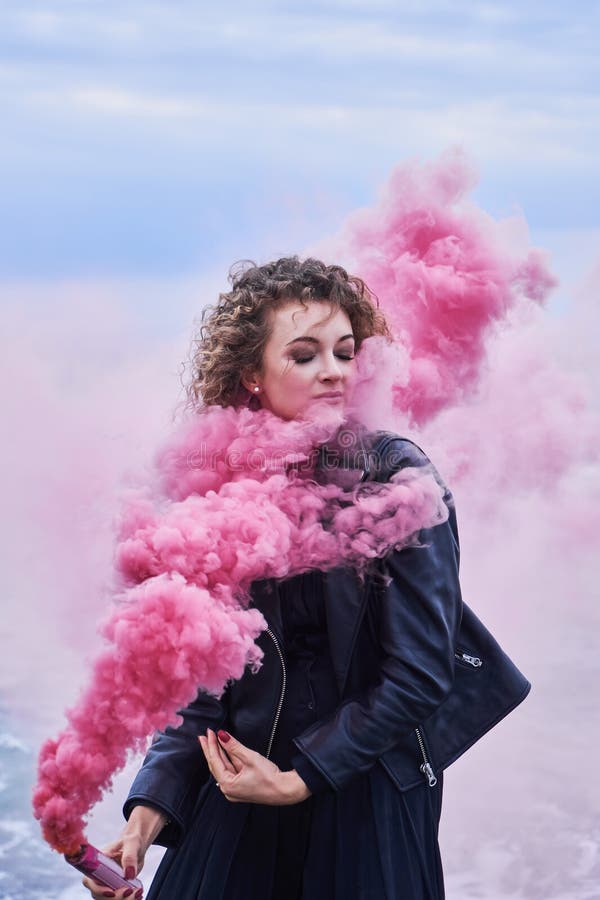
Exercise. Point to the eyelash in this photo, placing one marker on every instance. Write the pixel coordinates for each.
(306, 359)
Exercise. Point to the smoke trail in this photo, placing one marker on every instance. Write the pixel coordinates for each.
(187, 564)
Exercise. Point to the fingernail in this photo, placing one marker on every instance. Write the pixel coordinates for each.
(129, 873)
(138, 896)
(128, 892)
(108, 894)
(223, 736)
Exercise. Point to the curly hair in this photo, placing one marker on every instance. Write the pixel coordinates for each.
(234, 332)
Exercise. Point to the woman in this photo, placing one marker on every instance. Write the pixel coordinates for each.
(313, 778)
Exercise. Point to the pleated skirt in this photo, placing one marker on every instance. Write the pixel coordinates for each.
(366, 842)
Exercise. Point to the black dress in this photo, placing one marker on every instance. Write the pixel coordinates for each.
(366, 842)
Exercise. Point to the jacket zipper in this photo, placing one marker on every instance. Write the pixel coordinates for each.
(281, 696)
(426, 768)
(474, 661)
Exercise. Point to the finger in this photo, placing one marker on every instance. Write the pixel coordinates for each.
(130, 858)
(113, 849)
(97, 890)
(228, 763)
(216, 766)
(223, 768)
(101, 891)
(126, 852)
(237, 752)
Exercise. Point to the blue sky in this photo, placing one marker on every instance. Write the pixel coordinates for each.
(156, 139)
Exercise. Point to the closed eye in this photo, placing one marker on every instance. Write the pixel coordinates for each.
(307, 359)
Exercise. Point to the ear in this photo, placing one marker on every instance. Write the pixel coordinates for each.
(250, 381)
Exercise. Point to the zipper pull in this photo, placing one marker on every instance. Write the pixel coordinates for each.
(474, 661)
(428, 773)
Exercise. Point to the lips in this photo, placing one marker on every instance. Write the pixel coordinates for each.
(330, 395)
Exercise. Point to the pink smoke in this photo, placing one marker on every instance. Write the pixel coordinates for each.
(443, 275)
(479, 374)
(187, 561)
(166, 640)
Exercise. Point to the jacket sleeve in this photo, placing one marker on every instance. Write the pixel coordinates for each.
(419, 616)
(175, 769)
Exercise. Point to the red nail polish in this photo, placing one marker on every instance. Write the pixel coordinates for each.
(138, 896)
(108, 894)
(128, 892)
(223, 736)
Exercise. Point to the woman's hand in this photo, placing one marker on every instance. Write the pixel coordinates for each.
(99, 891)
(243, 775)
(129, 851)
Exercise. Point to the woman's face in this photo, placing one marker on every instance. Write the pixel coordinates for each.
(308, 359)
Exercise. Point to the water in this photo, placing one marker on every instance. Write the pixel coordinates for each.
(27, 865)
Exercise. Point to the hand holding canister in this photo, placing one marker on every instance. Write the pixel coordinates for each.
(102, 868)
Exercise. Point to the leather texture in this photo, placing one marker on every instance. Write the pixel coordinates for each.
(394, 639)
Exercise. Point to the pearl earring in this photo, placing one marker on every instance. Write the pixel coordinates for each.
(256, 389)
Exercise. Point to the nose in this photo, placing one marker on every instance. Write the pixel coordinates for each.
(331, 370)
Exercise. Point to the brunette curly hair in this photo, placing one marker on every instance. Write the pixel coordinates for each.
(233, 333)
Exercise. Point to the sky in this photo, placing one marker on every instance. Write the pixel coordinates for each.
(145, 147)
(149, 140)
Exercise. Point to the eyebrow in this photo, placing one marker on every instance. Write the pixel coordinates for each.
(314, 340)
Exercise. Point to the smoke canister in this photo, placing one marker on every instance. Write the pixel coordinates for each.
(101, 868)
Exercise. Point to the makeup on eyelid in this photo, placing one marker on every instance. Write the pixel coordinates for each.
(307, 359)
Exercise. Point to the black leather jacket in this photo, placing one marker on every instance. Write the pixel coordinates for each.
(420, 678)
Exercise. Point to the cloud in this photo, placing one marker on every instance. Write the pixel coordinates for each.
(471, 38)
(177, 118)
(128, 103)
(494, 130)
